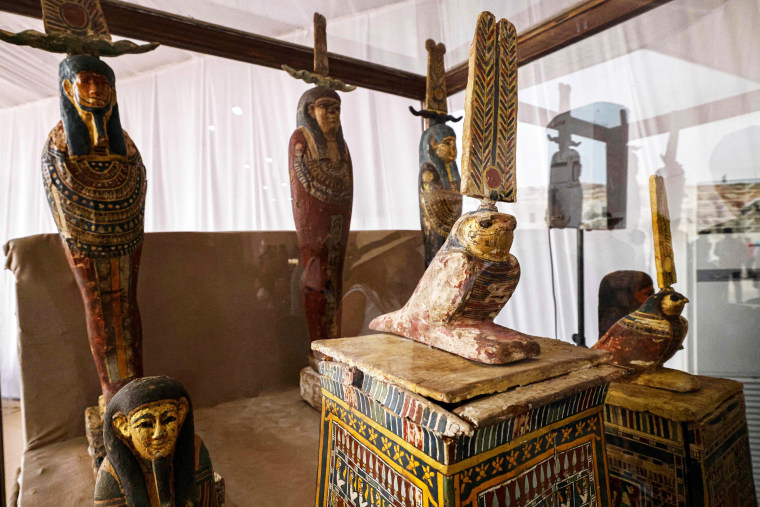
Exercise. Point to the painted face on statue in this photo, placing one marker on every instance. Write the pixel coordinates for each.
(446, 149)
(92, 90)
(327, 113)
(152, 429)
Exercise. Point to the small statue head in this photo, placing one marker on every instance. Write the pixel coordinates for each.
(666, 302)
(438, 146)
(446, 149)
(89, 110)
(671, 302)
(148, 425)
(90, 90)
(326, 111)
(319, 113)
(486, 234)
(152, 428)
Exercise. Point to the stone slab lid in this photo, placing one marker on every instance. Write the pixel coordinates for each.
(448, 378)
(681, 407)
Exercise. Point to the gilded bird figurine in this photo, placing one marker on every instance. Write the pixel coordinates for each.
(465, 287)
(648, 337)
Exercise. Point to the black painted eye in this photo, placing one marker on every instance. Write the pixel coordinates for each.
(485, 224)
(169, 419)
(676, 297)
(145, 424)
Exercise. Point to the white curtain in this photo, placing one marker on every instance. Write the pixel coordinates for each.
(213, 134)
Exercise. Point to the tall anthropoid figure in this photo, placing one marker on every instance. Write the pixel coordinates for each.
(440, 200)
(321, 183)
(95, 184)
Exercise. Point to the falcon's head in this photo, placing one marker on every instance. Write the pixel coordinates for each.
(671, 302)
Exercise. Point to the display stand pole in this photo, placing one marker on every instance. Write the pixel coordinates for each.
(579, 338)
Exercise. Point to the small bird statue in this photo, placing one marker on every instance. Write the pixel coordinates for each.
(649, 336)
(646, 338)
(465, 287)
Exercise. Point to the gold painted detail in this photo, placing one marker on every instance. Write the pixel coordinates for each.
(325, 179)
(76, 27)
(663, 242)
(486, 234)
(435, 93)
(151, 430)
(647, 323)
(98, 202)
(490, 129)
(80, 17)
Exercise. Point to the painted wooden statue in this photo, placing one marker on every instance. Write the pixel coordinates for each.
(95, 184)
(440, 200)
(153, 455)
(473, 275)
(321, 184)
(648, 337)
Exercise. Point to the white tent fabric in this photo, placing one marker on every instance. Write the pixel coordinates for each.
(213, 135)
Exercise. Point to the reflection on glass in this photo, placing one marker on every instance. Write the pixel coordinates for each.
(588, 185)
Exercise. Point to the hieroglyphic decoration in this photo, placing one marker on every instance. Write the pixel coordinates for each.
(359, 477)
(719, 449)
(489, 138)
(566, 478)
(663, 243)
(646, 458)
(364, 456)
(656, 460)
(80, 17)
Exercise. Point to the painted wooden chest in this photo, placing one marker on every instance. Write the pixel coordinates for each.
(407, 425)
(679, 449)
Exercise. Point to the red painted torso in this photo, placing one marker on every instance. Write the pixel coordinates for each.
(322, 191)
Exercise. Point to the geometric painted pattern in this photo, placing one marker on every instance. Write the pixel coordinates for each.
(98, 203)
(646, 458)
(565, 478)
(653, 460)
(490, 125)
(369, 455)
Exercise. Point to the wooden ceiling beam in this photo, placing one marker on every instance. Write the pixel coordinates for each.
(128, 20)
(132, 21)
(577, 23)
